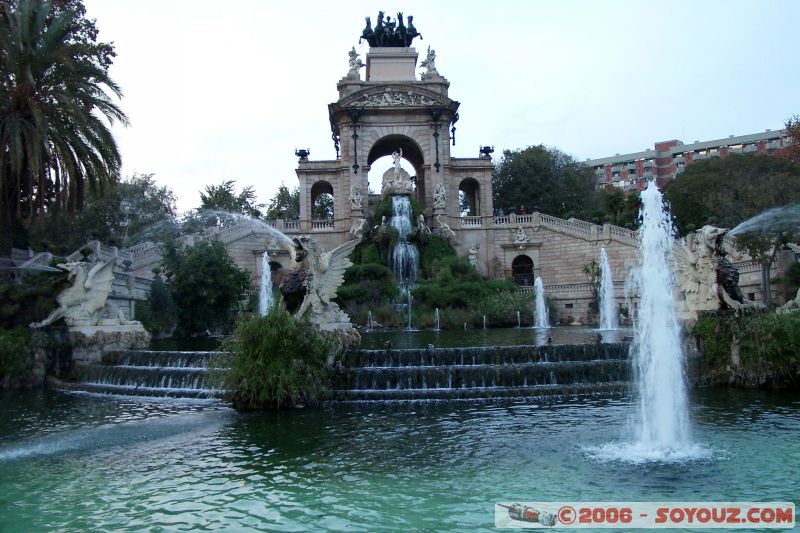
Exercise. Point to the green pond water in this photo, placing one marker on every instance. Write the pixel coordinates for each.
(80, 462)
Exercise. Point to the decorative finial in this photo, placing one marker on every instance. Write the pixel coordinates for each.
(303, 153)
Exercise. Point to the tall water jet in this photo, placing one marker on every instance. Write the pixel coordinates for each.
(663, 420)
(265, 297)
(660, 429)
(608, 308)
(519, 320)
(405, 256)
(542, 320)
(370, 321)
(436, 320)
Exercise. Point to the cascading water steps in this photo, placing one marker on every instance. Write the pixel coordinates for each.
(482, 373)
(428, 374)
(152, 373)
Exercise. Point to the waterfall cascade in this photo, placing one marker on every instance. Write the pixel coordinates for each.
(265, 296)
(608, 307)
(487, 373)
(405, 256)
(542, 318)
(422, 374)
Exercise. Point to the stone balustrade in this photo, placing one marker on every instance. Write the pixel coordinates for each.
(471, 222)
(573, 226)
(322, 224)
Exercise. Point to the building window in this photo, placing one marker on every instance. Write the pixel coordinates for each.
(568, 306)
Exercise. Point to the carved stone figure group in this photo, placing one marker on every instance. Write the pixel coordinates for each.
(390, 33)
(355, 64)
(429, 63)
(706, 278)
(388, 98)
(440, 196)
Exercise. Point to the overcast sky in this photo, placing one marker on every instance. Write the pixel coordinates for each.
(228, 90)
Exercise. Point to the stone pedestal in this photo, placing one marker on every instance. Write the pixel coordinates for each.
(391, 64)
(89, 342)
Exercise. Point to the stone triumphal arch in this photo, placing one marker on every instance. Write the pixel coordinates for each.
(396, 105)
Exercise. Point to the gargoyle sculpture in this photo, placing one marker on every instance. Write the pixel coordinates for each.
(309, 288)
(85, 302)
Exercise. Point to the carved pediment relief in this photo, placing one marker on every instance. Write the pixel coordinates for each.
(394, 97)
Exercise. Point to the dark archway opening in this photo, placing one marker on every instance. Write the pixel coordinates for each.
(469, 198)
(522, 270)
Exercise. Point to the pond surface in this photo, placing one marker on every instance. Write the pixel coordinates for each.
(79, 462)
(525, 336)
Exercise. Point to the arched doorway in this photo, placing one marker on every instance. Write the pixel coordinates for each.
(412, 161)
(522, 270)
(469, 198)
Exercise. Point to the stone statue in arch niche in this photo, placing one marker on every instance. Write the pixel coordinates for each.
(440, 196)
(396, 180)
(396, 157)
(356, 198)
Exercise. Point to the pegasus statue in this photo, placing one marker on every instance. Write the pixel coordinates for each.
(85, 303)
(308, 289)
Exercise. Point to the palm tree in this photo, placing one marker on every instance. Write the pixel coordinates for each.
(53, 101)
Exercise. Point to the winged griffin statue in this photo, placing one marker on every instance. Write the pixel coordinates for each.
(704, 275)
(308, 289)
(85, 303)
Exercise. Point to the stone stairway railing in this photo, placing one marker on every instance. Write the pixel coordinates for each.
(572, 226)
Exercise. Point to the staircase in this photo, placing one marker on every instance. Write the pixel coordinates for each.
(482, 373)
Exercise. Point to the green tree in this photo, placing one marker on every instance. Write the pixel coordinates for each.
(324, 207)
(54, 95)
(545, 179)
(284, 205)
(792, 151)
(277, 362)
(619, 208)
(134, 210)
(224, 197)
(727, 191)
(158, 312)
(207, 286)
